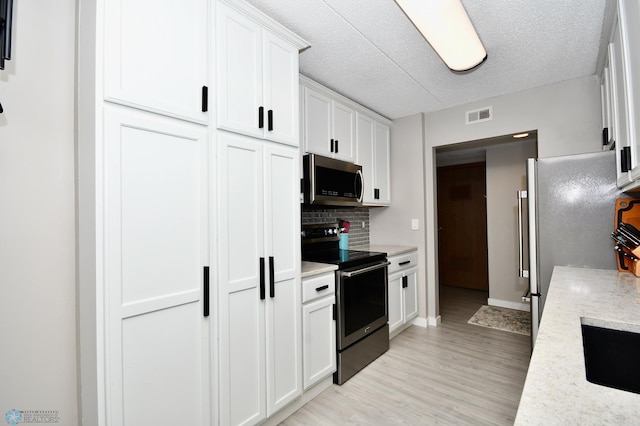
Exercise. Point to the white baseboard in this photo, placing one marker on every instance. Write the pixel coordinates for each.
(434, 321)
(520, 306)
(420, 322)
(294, 406)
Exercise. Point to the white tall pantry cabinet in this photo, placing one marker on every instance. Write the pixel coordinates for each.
(151, 291)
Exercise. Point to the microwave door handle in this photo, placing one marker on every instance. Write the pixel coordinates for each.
(359, 176)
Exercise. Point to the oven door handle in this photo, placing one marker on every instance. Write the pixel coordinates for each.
(365, 270)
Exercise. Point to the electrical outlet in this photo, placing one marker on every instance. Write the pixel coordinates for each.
(415, 224)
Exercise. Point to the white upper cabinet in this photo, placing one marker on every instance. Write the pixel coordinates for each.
(620, 89)
(373, 140)
(629, 16)
(155, 56)
(257, 75)
(329, 126)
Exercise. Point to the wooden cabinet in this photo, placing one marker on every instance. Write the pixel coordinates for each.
(257, 77)
(162, 68)
(329, 126)
(318, 328)
(373, 146)
(403, 291)
(259, 269)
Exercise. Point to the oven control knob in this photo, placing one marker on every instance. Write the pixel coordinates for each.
(332, 231)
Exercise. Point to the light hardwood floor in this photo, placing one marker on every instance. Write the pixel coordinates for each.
(454, 374)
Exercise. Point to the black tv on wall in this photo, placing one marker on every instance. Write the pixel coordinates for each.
(6, 15)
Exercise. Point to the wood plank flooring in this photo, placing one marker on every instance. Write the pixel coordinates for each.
(454, 374)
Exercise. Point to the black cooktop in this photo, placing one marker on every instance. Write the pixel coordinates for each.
(344, 258)
(320, 244)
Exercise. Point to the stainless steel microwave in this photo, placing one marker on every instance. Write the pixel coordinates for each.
(330, 182)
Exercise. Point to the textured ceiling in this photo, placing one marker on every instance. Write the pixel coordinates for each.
(370, 52)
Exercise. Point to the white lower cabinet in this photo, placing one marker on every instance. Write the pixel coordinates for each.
(260, 336)
(403, 291)
(318, 328)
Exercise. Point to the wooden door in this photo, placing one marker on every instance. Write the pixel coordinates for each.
(462, 226)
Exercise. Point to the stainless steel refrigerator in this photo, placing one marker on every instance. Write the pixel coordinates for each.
(570, 207)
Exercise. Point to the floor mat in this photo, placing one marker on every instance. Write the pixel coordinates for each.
(504, 319)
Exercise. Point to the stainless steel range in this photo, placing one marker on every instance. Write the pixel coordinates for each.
(361, 298)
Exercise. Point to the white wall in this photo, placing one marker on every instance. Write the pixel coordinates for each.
(392, 225)
(37, 231)
(506, 174)
(568, 119)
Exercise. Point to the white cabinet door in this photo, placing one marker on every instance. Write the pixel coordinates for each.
(620, 102)
(319, 337)
(257, 79)
(344, 132)
(242, 270)
(373, 155)
(281, 85)
(156, 55)
(317, 123)
(239, 76)
(630, 22)
(260, 291)
(396, 313)
(156, 245)
(365, 155)
(382, 165)
(284, 322)
(410, 295)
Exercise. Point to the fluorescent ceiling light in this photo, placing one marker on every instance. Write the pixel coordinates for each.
(521, 135)
(448, 29)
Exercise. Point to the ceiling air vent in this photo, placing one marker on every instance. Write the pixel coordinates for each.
(479, 115)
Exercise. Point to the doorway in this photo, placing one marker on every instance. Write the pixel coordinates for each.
(503, 160)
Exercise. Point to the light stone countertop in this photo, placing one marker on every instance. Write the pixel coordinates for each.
(391, 250)
(313, 268)
(556, 390)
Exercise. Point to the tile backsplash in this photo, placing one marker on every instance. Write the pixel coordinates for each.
(358, 235)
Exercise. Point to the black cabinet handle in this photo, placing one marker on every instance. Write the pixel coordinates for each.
(324, 287)
(406, 262)
(331, 145)
(605, 136)
(262, 295)
(272, 278)
(205, 99)
(205, 295)
(376, 193)
(625, 159)
(405, 282)
(337, 146)
(335, 312)
(260, 117)
(270, 118)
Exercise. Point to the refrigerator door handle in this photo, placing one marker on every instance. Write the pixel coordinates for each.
(523, 273)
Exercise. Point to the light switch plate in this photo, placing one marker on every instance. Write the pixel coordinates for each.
(415, 224)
